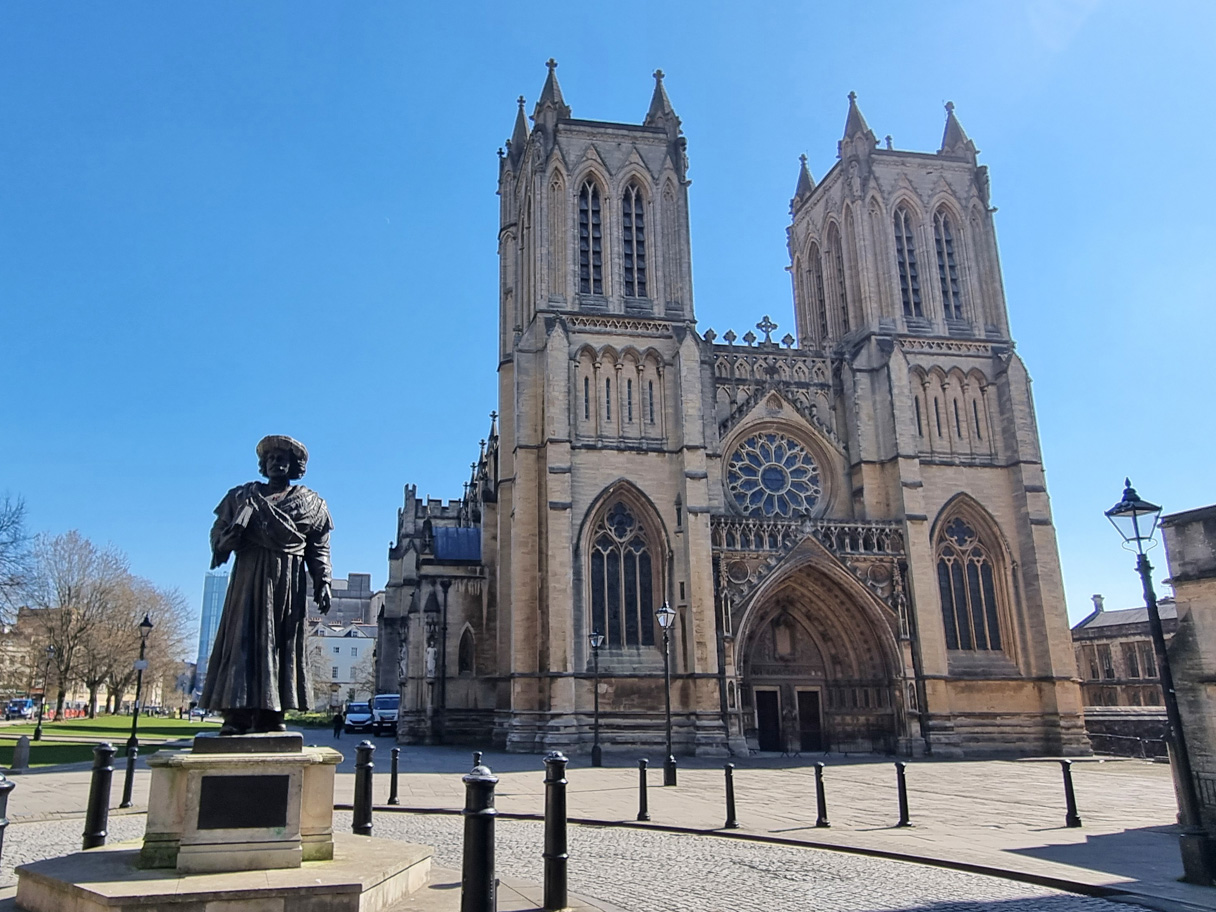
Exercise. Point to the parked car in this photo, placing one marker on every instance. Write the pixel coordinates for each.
(384, 712)
(22, 708)
(359, 717)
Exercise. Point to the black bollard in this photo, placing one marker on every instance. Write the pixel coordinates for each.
(1071, 817)
(129, 782)
(6, 786)
(361, 825)
(821, 798)
(555, 853)
(731, 822)
(478, 892)
(902, 782)
(97, 818)
(392, 781)
(643, 810)
(669, 770)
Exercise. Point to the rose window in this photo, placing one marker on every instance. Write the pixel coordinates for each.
(773, 475)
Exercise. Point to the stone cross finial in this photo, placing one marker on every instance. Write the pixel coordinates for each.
(766, 326)
(658, 75)
(949, 107)
(852, 98)
(501, 153)
(520, 100)
(802, 158)
(888, 141)
(551, 64)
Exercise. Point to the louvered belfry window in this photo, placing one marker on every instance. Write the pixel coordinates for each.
(633, 232)
(821, 305)
(842, 296)
(590, 241)
(905, 255)
(947, 267)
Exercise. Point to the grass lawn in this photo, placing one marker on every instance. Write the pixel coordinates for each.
(109, 728)
(115, 729)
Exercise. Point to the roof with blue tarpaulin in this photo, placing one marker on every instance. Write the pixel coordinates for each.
(457, 544)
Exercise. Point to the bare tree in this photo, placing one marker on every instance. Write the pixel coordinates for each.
(364, 676)
(72, 586)
(167, 641)
(14, 553)
(320, 674)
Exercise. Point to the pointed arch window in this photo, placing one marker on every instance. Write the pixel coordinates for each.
(633, 233)
(905, 255)
(842, 296)
(464, 656)
(623, 578)
(821, 309)
(947, 267)
(590, 240)
(967, 583)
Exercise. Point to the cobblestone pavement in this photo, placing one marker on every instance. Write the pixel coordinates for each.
(649, 871)
(26, 842)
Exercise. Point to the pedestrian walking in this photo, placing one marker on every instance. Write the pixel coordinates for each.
(339, 722)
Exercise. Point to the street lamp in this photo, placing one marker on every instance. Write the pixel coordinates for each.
(145, 627)
(597, 640)
(46, 677)
(667, 617)
(1136, 520)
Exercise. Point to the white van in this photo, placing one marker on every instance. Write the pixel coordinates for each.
(384, 713)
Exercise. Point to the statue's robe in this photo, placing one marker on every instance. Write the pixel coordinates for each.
(259, 660)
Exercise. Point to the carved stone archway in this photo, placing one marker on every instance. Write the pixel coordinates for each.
(819, 664)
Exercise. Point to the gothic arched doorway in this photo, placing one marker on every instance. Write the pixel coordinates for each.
(820, 669)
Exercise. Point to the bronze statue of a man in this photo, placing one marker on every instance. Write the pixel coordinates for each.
(280, 533)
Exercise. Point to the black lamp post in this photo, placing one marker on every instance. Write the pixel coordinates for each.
(145, 627)
(667, 617)
(1136, 520)
(46, 677)
(597, 640)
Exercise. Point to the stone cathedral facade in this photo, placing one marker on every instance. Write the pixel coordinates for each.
(851, 523)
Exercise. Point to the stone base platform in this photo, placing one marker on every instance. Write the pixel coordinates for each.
(365, 875)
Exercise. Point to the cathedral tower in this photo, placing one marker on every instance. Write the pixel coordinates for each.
(602, 476)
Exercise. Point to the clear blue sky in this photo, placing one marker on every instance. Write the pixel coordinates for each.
(223, 220)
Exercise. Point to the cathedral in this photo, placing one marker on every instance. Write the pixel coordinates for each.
(850, 522)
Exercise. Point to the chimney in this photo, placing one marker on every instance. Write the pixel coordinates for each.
(1098, 603)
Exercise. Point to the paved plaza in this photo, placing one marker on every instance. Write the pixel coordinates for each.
(1004, 817)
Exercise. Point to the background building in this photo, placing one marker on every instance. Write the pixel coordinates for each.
(353, 602)
(341, 658)
(851, 523)
(1124, 710)
(215, 587)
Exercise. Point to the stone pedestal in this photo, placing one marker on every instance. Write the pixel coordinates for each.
(365, 875)
(245, 803)
(241, 824)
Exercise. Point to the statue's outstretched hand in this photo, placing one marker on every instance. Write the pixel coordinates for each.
(322, 597)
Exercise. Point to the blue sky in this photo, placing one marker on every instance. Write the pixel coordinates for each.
(224, 220)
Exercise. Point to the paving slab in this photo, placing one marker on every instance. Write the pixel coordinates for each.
(1000, 816)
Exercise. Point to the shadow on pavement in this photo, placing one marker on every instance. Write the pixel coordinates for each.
(1138, 854)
